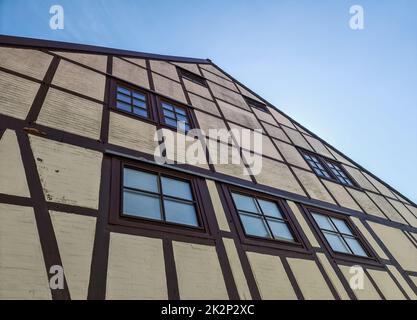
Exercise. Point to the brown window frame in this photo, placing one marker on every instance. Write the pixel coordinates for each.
(191, 76)
(116, 216)
(256, 104)
(188, 111)
(154, 105)
(371, 259)
(300, 245)
(323, 161)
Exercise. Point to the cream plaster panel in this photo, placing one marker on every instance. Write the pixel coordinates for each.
(188, 66)
(237, 115)
(398, 244)
(297, 138)
(359, 178)
(165, 68)
(281, 118)
(12, 173)
(334, 279)
(368, 292)
(22, 267)
(17, 95)
(412, 209)
(219, 80)
(69, 174)
(131, 133)
(138, 61)
(237, 270)
(72, 114)
(82, 80)
(136, 268)
(386, 284)
(75, 237)
(217, 205)
(228, 95)
(264, 116)
(196, 88)
(199, 272)
(268, 148)
(131, 73)
(169, 88)
(397, 275)
(304, 225)
(183, 149)
(278, 175)
(313, 185)
(369, 238)
(386, 207)
(214, 70)
(25, 61)
(412, 220)
(227, 160)
(276, 132)
(342, 196)
(271, 277)
(310, 280)
(204, 104)
(318, 146)
(291, 154)
(248, 94)
(207, 122)
(383, 189)
(340, 158)
(96, 61)
(365, 202)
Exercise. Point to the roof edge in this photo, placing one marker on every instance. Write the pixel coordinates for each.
(68, 46)
(316, 136)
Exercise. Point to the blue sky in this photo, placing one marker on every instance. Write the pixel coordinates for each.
(355, 89)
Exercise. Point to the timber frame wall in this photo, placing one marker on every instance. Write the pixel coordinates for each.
(244, 264)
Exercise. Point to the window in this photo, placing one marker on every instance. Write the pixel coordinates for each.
(192, 77)
(339, 235)
(316, 165)
(339, 174)
(256, 104)
(175, 116)
(131, 101)
(328, 169)
(158, 197)
(262, 218)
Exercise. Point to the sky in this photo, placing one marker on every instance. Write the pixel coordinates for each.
(356, 89)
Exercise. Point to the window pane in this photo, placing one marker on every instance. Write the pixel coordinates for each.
(139, 96)
(140, 112)
(176, 188)
(254, 226)
(280, 230)
(139, 103)
(323, 222)
(244, 203)
(336, 242)
(140, 180)
(169, 114)
(124, 106)
(170, 122)
(123, 98)
(356, 247)
(342, 226)
(182, 118)
(180, 111)
(141, 205)
(167, 106)
(123, 90)
(180, 212)
(270, 208)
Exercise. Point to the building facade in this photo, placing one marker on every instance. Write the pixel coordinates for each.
(83, 196)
